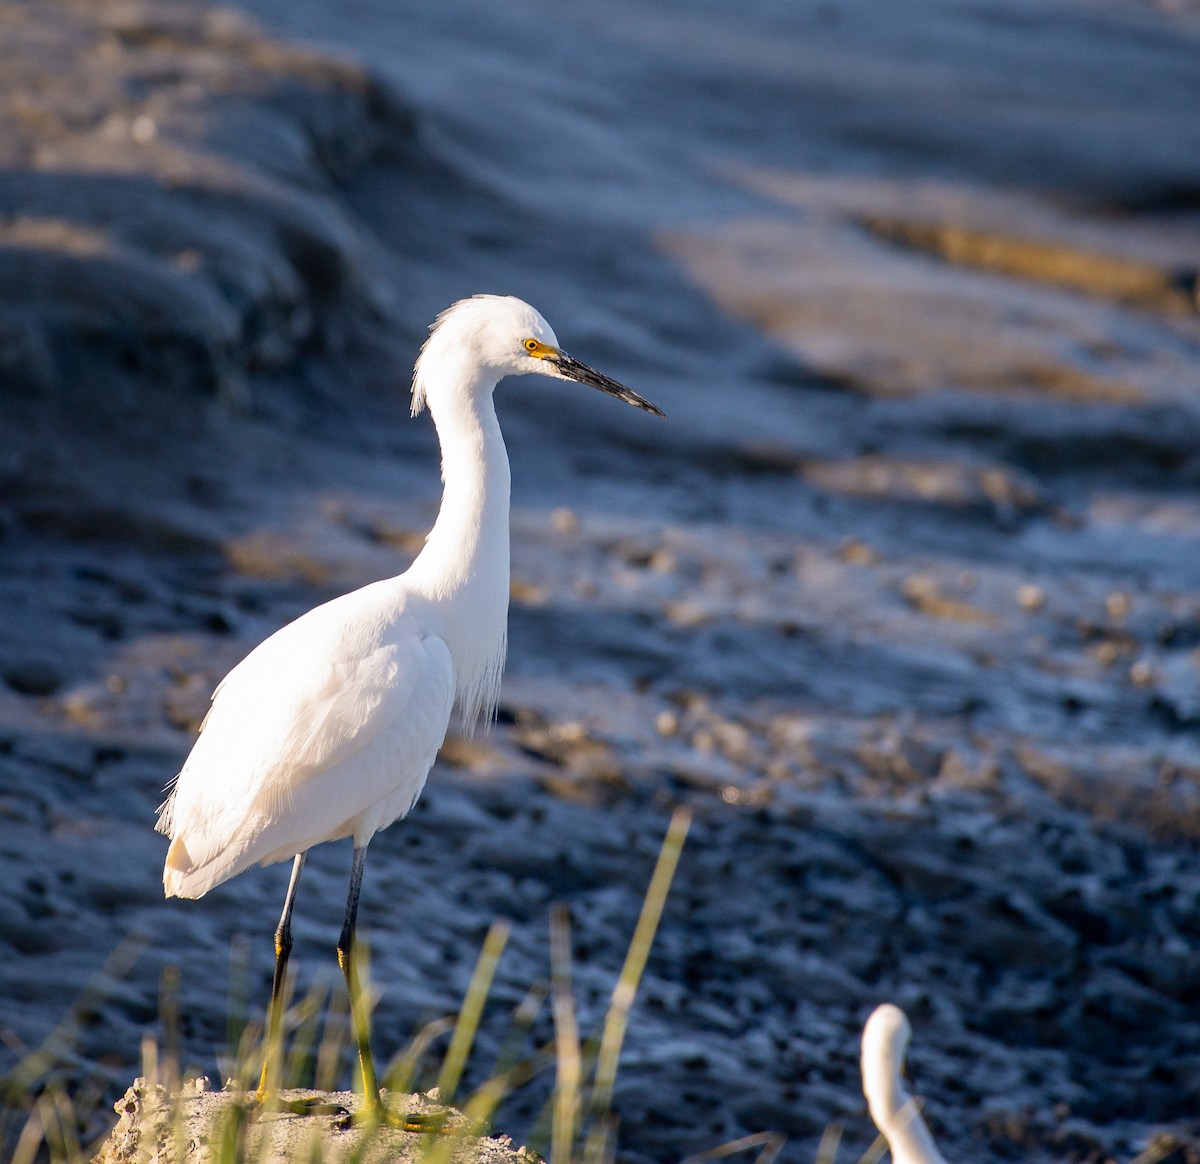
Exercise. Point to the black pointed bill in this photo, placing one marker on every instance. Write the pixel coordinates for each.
(572, 369)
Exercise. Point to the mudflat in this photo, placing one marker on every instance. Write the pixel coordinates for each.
(902, 600)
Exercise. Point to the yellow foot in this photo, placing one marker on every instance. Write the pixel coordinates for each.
(377, 1114)
(434, 1121)
(262, 1102)
(310, 1106)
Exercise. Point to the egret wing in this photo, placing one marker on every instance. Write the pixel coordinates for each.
(293, 745)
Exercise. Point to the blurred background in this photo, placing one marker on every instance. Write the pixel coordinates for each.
(902, 599)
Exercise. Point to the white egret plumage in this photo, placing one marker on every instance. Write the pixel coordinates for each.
(329, 727)
(896, 1114)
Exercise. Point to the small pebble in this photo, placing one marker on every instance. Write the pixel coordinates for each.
(667, 723)
(662, 562)
(1141, 673)
(856, 553)
(143, 130)
(1031, 597)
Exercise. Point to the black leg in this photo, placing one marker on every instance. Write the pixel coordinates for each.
(283, 948)
(350, 921)
(359, 1016)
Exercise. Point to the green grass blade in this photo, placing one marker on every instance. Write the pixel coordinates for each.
(57, 1044)
(569, 1059)
(236, 1017)
(472, 1010)
(831, 1141)
(876, 1152)
(617, 1019)
(522, 1022)
(601, 1147)
(771, 1149)
(401, 1074)
(33, 1135)
(334, 1041)
(741, 1144)
(168, 1011)
(305, 1022)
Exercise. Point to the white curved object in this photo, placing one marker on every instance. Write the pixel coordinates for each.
(896, 1114)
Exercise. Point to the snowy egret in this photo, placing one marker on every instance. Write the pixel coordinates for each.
(328, 728)
(895, 1112)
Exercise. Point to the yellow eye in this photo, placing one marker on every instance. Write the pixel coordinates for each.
(531, 345)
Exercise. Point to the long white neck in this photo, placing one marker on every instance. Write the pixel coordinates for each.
(464, 567)
(895, 1113)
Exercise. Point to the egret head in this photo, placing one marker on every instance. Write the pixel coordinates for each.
(503, 336)
(884, 1043)
(886, 1036)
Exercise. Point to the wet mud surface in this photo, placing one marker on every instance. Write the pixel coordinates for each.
(902, 599)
